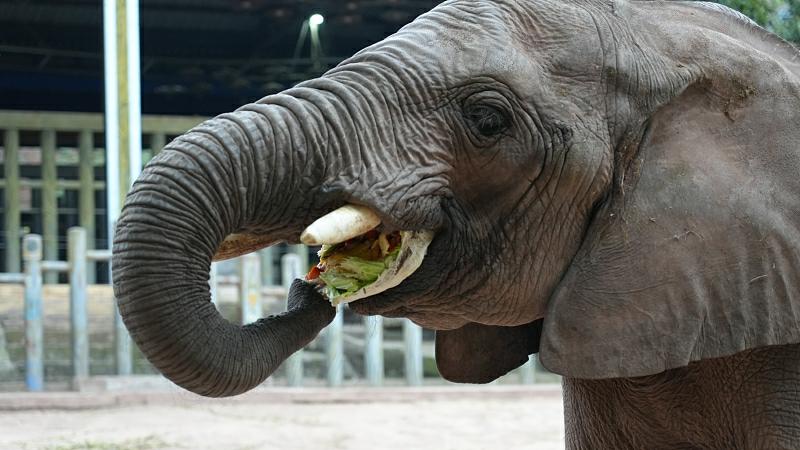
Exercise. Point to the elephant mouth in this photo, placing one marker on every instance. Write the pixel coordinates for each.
(347, 223)
(357, 259)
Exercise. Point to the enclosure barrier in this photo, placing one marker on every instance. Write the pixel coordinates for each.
(50, 129)
(250, 300)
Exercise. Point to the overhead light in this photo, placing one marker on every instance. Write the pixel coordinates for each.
(316, 20)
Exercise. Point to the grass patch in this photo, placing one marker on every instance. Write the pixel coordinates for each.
(144, 443)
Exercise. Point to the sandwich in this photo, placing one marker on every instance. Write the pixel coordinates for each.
(357, 260)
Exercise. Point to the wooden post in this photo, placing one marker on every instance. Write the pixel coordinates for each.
(334, 348)
(373, 353)
(213, 285)
(157, 142)
(12, 205)
(250, 288)
(302, 252)
(528, 370)
(86, 203)
(49, 201)
(122, 339)
(267, 270)
(290, 270)
(122, 345)
(412, 335)
(77, 250)
(34, 331)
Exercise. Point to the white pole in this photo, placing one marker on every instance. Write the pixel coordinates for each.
(134, 90)
(112, 114)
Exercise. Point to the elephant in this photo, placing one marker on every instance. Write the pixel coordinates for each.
(612, 184)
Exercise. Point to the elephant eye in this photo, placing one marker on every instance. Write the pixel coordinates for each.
(487, 120)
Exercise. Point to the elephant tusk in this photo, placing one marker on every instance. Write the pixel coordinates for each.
(340, 225)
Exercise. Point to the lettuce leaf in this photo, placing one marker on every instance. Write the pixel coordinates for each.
(350, 273)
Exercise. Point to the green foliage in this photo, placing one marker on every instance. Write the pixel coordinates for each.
(779, 16)
(759, 10)
(787, 24)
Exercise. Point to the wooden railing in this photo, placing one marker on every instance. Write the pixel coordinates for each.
(252, 294)
(53, 139)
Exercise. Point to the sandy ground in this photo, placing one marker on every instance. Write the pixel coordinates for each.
(444, 424)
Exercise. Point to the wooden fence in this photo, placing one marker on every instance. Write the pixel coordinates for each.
(250, 290)
(44, 134)
(63, 139)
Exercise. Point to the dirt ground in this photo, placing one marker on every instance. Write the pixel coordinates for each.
(464, 424)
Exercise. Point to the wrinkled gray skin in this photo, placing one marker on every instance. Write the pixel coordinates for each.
(612, 184)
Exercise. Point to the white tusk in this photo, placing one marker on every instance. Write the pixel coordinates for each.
(338, 226)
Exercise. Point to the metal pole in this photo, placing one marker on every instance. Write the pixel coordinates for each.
(34, 331)
(334, 348)
(412, 335)
(250, 288)
(134, 88)
(86, 202)
(123, 127)
(373, 354)
(290, 270)
(49, 201)
(77, 248)
(12, 204)
(123, 101)
(112, 113)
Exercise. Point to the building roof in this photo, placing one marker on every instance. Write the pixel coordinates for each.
(198, 56)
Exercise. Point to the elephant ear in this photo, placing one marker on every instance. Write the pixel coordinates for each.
(696, 252)
(479, 353)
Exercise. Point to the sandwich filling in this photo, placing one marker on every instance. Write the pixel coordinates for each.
(368, 264)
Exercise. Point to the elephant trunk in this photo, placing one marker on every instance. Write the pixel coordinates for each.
(238, 173)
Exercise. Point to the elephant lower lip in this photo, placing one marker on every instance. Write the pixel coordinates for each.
(387, 307)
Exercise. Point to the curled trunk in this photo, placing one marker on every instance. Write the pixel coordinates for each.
(232, 174)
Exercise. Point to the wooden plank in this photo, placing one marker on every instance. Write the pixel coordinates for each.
(49, 201)
(334, 348)
(122, 345)
(267, 268)
(12, 278)
(250, 288)
(291, 269)
(373, 351)
(412, 336)
(528, 371)
(73, 185)
(170, 124)
(157, 142)
(79, 318)
(34, 331)
(73, 121)
(302, 252)
(86, 202)
(37, 120)
(12, 206)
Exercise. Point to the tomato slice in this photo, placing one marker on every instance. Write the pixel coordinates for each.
(313, 274)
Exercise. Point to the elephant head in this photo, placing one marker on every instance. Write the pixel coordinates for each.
(603, 183)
